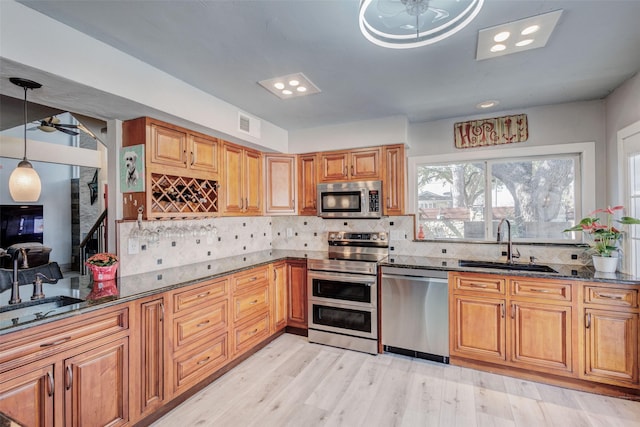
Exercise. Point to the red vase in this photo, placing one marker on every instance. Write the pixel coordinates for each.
(101, 289)
(102, 274)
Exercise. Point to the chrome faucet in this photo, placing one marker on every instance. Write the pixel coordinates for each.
(510, 254)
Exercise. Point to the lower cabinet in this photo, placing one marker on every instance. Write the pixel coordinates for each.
(297, 294)
(478, 330)
(280, 294)
(27, 395)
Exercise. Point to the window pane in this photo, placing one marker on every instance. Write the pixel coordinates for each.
(537, 196)
(451, 201)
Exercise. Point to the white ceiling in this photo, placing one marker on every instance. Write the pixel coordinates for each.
(225, 47)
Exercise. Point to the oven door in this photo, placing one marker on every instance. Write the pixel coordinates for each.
(352, 289)
(343, 319)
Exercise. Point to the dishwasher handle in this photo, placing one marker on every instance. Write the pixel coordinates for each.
(414, 273)
(414, 278)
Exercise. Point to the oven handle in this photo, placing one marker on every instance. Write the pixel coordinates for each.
(361, 279)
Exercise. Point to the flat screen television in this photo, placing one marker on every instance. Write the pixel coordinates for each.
(20, 224)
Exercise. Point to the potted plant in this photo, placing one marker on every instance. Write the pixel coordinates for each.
(103, 266)
(603, 236)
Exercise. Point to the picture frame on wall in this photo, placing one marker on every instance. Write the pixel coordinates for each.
(132, 169)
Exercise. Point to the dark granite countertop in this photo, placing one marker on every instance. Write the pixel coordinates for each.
(564, 271)
(136, 286)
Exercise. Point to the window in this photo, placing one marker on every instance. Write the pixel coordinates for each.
(541, 195)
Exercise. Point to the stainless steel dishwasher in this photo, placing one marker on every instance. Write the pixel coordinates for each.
(415, 313)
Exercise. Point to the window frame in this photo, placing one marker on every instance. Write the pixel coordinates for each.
(585, 200)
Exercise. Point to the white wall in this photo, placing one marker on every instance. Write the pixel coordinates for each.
(622, 110)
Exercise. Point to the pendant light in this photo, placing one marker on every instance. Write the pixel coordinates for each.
(24, 182)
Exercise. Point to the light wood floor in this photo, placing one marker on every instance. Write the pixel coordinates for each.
(293, 383)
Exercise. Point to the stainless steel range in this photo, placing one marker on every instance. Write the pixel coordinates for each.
(343, 291)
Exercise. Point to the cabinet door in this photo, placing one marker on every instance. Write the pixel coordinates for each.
(365, 164)
(478, 328)
(307, 184)
(204, 154)
(393, 180)
(168, 146)
(96, 386)
(280, 299)
(334, 166)
(253, 182)
(27, 396)
(541, 335)
(280, 183)
(297, 281)
(151, 367)
(611, 346)
(233, 194)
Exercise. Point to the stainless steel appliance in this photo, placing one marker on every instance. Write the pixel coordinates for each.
(415, 313)
(360, 199)
(343, 291)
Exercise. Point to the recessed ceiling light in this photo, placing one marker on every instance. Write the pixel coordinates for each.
(524, 42)
(289, 86)
(487, 104)
(542, 25)
(530, 30)
(501, 36)
(498, 48)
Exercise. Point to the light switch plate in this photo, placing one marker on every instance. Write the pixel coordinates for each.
(133, 246)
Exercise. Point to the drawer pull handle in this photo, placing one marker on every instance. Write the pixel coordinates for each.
(69, 377)
(203, 361)
(255, 331)
(544, 291)
(477, 285)
(60, 341)
(254, 302)
(51, 384)
(502, 310)
(253, 279)
(204, 294)
(609, 296)
(203, 323)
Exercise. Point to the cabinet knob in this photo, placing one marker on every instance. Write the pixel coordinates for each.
(51, 384)
(69, 377)
(587, 321)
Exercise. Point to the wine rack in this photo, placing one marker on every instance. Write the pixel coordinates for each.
(176, 196)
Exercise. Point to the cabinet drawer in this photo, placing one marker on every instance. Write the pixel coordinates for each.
(247, 335)
(201, 361)
(194, 297)
(38, 342)
(250, 303)
(250, 278)
(476, 283)
(620, 297)
(547, 290)
(206, 321)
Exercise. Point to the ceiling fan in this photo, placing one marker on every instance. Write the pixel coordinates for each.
(52, 124)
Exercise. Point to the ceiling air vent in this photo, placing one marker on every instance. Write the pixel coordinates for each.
(249, 125)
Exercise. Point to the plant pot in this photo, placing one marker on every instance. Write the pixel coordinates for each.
(102, 274)
(605, 264)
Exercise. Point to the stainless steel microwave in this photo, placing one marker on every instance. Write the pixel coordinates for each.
(361, 199)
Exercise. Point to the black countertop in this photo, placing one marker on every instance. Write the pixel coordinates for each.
(141, 285)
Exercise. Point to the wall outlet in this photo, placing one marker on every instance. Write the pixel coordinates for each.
(133, 246)
(289, 233)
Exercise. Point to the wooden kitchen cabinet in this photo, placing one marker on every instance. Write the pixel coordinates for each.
(280, 179)
(280, 293)
(610, 329)
(97, 385)
(251, 303)
(478, 328)
(393, 179)
(307, 184)
(241, 180)
(352, 165)
(180, 173)
(27, 395)
(297, 294)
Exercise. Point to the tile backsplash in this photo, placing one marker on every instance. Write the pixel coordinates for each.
(165, 244)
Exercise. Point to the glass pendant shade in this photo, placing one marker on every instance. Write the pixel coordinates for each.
(24, 183)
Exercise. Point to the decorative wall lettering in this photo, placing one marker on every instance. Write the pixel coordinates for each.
(495, 131)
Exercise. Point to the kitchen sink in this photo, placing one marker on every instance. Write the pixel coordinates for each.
(39, 308)
(540, 268)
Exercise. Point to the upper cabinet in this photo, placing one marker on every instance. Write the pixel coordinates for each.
(178, 178)
(393, 179)
(307, 183)
(241, 180)
(356, 165)
(280, 184)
